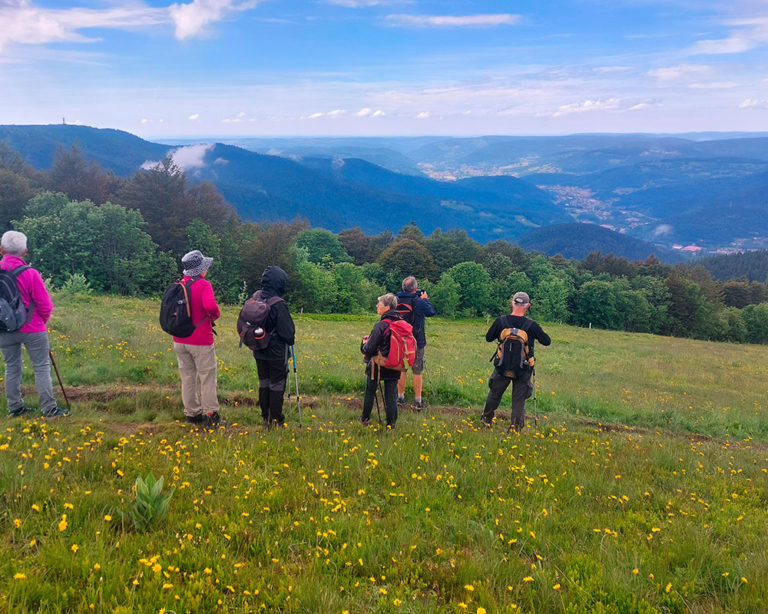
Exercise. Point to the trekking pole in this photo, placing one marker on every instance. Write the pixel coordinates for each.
(535, 404)
(296, 384)
(61, 384)
(376, 391)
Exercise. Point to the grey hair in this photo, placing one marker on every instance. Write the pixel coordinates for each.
(389, 300)
(410, 284)
(14, 242)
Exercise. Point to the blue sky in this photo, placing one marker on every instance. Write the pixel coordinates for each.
(386, 67)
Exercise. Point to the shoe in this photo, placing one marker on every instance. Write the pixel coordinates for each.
(486, 422)
(400, 401)
(196, 419)
(20, 411)
(365, 422)
(420, 405)
(213, 421)
(56, 412)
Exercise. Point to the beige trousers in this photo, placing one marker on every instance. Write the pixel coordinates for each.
(197, 363)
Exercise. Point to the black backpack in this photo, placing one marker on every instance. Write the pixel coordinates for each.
(251, 323)
(513, 357)
(405, 308)
(175, 310)
(13, 313)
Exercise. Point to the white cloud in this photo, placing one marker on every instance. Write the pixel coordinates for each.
(733, 44)
(586, 106)
(194, 117)
(329, 114)
(423, 115)
(454, 21)
(240, 117)
(23, 22)
(749, 103)
(190, 19)
(748, 33)
(191, 156)
(681, 71)
(144, 120)
(611, 69)
(714, 85)
(662, 229)
(368, 112)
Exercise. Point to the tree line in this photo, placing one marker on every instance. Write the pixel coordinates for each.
(126, 236)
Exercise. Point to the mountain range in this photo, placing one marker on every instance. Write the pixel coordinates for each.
(650, 193)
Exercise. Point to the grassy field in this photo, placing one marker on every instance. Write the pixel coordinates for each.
(641, 488)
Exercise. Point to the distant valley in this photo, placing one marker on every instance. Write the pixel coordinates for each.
(673, 196)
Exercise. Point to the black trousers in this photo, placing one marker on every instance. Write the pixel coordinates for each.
(272, 376)
(390, 399)
(522, 388)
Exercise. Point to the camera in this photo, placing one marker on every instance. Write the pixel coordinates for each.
(418, 292)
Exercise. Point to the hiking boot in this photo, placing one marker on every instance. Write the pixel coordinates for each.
(196, 419)
(56, 412)
(365, 422)
(20, 411)
(420, 405)
(213, 421)
(400, 401)
(486, 422)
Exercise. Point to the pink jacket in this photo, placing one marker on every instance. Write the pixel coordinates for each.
(32, 290)
(204, 308)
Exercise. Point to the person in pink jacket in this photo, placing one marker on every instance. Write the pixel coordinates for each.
(196, 354)
(33, 335)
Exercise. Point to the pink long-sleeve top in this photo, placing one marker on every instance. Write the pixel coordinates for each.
(204, 307)
(32, 290)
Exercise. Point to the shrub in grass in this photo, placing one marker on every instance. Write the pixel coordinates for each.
(151, 504)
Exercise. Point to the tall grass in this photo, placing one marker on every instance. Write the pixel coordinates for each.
(612, 502)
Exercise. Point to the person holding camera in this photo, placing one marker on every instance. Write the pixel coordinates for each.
(372, 345)
(414, 306)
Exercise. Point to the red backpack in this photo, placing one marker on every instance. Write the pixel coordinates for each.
(402, 347)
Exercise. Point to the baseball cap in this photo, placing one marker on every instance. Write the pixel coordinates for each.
(521, 298)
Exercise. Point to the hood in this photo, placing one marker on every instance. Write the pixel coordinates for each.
(274, 281)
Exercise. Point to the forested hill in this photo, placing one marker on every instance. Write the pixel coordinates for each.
(752, 265)
(115, 150)
(334, 194)
(579, 240)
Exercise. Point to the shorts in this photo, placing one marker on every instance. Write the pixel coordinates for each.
(418, 362)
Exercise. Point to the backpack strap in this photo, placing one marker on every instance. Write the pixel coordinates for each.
(14, 273)
(187, 286)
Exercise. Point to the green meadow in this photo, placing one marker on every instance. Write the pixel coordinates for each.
(638, 486)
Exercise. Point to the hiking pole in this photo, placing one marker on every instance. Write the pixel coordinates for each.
(61, 384)
(296, 384)
(535, 404)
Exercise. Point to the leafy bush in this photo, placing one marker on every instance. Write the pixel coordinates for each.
(151, 504)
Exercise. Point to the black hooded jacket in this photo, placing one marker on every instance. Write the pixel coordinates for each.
(378, 341)
(274, 282)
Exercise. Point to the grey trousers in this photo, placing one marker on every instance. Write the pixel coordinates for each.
(37, 348)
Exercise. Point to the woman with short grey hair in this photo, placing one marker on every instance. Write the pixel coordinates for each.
(373, 344)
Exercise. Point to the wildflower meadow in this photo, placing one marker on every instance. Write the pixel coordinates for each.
(638, 486)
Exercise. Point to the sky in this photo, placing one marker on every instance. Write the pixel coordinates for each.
(386, 67)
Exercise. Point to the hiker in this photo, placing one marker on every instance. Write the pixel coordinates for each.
(522, 386)
(272, 362)
(33, 334)
(196, 354)
(416, 302)
(378, 341)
